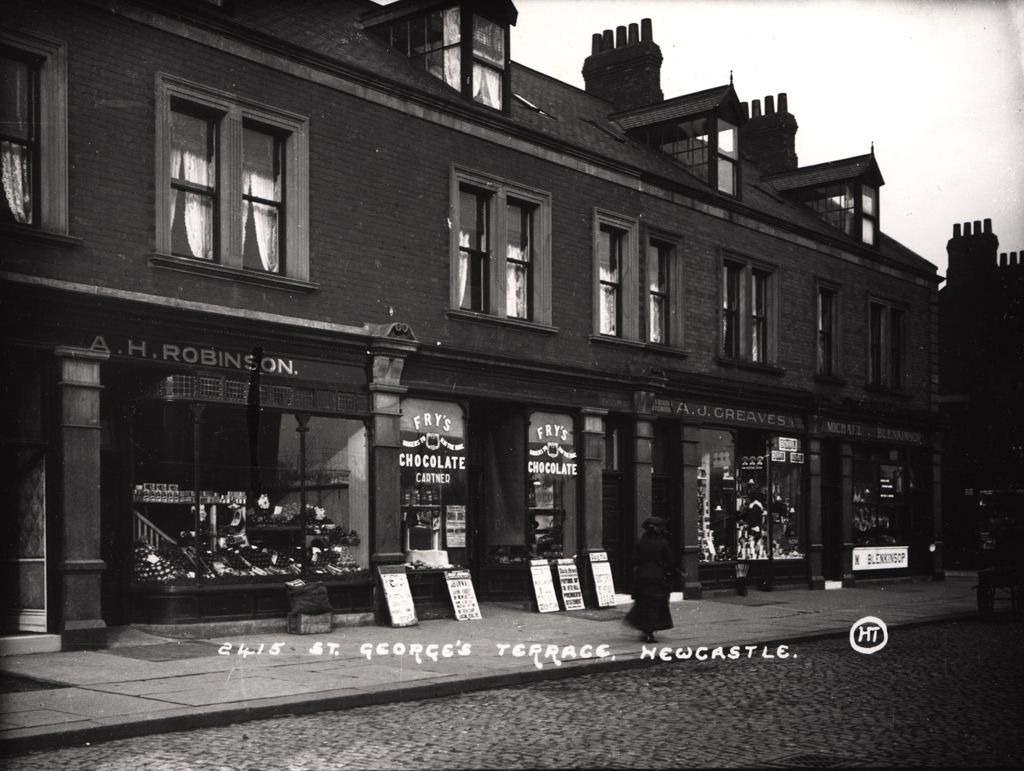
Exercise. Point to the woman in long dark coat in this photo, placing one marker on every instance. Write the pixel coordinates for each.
(653, 567)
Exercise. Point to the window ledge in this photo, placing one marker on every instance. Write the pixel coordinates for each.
(618, 342)
(831, 380)
(214, 270)
(498, 321)
(886, 391)
(769, 369)
(667, 349)
(30, 235)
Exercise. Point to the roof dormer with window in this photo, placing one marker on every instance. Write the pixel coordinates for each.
(700, 130)
(463, 44)
(842, 193)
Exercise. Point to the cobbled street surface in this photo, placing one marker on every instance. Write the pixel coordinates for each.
(943, 695)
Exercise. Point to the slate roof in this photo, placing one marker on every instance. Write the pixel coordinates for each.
(571, 120)
(674, 109)
(827, 173)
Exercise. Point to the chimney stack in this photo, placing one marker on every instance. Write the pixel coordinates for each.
(624, 67)
(769, 140)
(972, 253)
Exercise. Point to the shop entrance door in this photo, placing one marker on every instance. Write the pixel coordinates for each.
(613, 539)
(23, 539)
(831, 514)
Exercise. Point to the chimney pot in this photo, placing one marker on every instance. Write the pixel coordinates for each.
(634, 34)
(595, 45)
(1002, 260)
(956, 230)
(967, 229)
(646, 31)
(988, 226)
(609, 40)
(783, 102)
(1013, 258)
(977, 227)
(745, 107)
(769, 105)
(620, 36)
(755, 108)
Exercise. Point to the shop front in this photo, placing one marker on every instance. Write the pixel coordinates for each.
(245, 471)
(525, 483)
(745, 499)
(883, 486)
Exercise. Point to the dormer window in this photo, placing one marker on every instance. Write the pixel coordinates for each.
(701, 131)
(456, 44)
(842, 193)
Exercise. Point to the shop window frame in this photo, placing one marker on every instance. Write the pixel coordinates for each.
(500, 193)
(47, 60)
(229, 115)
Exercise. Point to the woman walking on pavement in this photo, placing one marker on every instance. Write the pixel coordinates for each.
(652, 564)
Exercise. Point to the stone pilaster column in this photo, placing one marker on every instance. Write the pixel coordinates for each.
(643, 465)
(389, 349)
(81, 622)
(846, 511)
(692, 589)
(816, 572)
(590, 511)
(937, 571)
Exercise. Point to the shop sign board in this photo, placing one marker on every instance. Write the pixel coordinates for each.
(569, 583)
(603, 582)
(880, 557)
(552, 445)
(543, 586)
(788, 444)
(744, 416)
(398, 595)
(460, 587)
(796, 457)
(868, 432)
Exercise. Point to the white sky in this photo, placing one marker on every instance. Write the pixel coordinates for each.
(937, 85)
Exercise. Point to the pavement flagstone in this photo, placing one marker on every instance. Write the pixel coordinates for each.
(146, 683)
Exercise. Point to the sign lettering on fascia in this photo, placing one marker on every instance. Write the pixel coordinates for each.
(866, 431)
(728, 414)
(201, 356)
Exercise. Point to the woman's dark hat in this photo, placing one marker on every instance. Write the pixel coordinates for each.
(654, 523)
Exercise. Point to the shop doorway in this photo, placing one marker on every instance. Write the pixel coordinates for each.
(831, 513)
(666, 498)
(23, 552)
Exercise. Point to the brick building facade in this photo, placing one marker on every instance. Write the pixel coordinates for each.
(982, 373)
(319, 289)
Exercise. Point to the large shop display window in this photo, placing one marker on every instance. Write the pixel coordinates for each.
(735, 498)
(433, 475)
(531, 514)
(281, 495)
(881, 482)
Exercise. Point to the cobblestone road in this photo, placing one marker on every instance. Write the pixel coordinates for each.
(946, 695)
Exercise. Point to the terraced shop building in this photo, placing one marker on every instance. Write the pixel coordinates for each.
(319, 289)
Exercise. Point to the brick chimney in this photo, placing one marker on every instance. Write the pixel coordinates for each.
(769, 140)
(972, 254)
(625, 69)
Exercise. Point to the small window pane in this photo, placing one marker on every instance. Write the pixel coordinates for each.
(261, 200)
(489, 41)
(726, 139)
(867, 233)
(193, 185)
(868, 200)
(486, 86)
(15, 100)
(726, 176)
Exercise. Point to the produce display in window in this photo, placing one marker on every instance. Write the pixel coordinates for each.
(242, 536)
